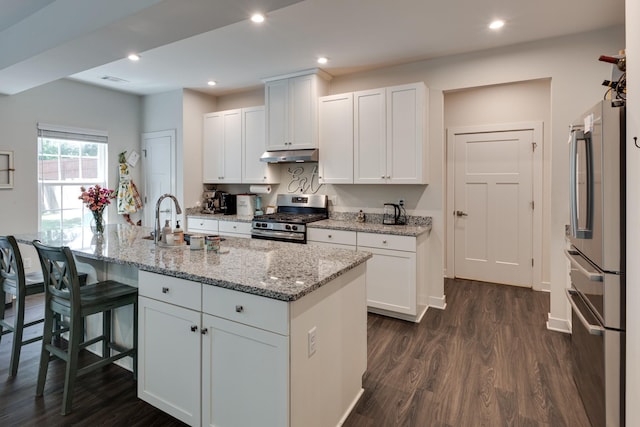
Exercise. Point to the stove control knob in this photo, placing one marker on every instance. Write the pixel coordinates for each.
(288, 227)
(294, 227)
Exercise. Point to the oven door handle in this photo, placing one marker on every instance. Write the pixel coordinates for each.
(591, 328)
(592, 276)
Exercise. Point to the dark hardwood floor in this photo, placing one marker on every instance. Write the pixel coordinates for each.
(487, 360)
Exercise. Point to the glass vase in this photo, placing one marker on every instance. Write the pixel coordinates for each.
(97, 223)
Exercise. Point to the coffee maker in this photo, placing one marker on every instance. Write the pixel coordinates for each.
(210, 202)
(228, 204)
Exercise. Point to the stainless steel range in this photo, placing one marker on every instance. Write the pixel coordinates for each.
(288, 224)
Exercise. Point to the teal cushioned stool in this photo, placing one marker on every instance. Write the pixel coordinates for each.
(65, 297)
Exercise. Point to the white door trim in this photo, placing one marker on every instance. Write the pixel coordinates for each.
(537, 179)
(149, 205)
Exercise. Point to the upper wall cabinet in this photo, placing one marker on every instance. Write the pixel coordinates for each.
(336, 139)
(292, 110)
(389, 135)
(222, 147)
(254, 143)
(233, 142)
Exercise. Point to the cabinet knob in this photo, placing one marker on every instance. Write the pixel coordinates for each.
(235, 226)
(239, 309)
(330, 236)
(264, 177)
(382, 177)
(204, 331)
(384, 242)
(194, 328)
(165, 290)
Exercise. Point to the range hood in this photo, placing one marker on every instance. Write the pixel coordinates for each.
(290, 156)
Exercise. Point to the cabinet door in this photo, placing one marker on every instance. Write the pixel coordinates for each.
(277, 114)
(202, 225)
(336, 139)
(169, 357)
(235, 228)
(406, 160)
(370, 147)
(231, 154)
(253, 145)
(391, 280)
(212, 137)
(245, 375)
(303, 112)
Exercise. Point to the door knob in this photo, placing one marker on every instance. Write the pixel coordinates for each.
(460, 213)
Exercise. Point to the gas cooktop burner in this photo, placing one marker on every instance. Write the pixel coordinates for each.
(288, 223)
(290, 217)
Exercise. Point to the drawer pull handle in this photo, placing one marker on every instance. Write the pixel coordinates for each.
(204, 331)
(165, 290)
(194, 328)
(239, 309)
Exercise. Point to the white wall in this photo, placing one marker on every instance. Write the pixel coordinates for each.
(67, 103)
(633, 208)
(528, 101)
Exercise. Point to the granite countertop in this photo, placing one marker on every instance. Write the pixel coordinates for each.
(221, 217)
(278, 270)
(370, 227)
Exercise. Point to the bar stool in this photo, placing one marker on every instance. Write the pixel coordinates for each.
(14, 281)
(64, 296)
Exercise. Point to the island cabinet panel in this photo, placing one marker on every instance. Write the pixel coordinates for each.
(169, 359)
(340, 239)
(245, 375)
(184, 293)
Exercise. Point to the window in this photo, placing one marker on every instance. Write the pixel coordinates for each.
(67, 160)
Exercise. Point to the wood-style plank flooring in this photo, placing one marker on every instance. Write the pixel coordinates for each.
(487, 360)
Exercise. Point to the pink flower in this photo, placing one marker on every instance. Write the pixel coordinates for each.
(96, 198)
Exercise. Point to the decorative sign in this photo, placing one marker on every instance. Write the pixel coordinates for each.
(302, 182)
(6, 169)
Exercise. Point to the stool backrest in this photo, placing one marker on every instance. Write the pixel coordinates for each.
(60, 273)
(11, 266)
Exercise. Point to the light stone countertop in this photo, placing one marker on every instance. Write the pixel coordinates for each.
(370, 227)
(278, 270)
(221, 217)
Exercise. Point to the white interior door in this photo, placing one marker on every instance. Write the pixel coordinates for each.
(159, 162)
(493, 210)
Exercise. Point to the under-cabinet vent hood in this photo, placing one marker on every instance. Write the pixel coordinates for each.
(290, 156)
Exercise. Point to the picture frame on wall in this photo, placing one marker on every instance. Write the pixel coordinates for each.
(6, 169)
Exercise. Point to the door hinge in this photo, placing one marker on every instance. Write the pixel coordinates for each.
(531, 262)
(145, 200)
(533, 205)
(534, 145)
(145, 153)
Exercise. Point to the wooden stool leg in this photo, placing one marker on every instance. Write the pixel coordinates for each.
(44, 354)
(135, 340)
(18, 330)
(72, 363)
(106, 332)
(3, 297)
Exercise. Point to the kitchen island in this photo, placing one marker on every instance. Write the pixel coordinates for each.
(262, 333)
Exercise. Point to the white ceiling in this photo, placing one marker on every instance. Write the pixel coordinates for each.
(185, 43)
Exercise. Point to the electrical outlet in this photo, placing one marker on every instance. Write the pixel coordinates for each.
(311, 340)
(401, 202)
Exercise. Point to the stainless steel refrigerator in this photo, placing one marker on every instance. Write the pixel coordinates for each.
(597, 256)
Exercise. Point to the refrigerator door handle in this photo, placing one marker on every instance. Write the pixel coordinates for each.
(592, 329)
(587, 200)
(592, 276)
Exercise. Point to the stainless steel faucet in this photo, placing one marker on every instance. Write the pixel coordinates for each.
(158, 230)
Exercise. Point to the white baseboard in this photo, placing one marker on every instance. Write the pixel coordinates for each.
(350, 408)
(558, 325)
(438, 302)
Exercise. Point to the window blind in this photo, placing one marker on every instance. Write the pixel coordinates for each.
(74, 134)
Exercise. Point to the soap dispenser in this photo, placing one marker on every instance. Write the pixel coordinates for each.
(166, 230)
(178, 234)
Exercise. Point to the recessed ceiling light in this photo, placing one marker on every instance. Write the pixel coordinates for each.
(323, 60)
(134, 57)
(497, 24)
(211, 83)
(257, 18)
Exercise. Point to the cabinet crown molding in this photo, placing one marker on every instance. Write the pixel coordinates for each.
(317, 71)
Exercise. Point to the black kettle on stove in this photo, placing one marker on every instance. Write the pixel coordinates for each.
(394, 214)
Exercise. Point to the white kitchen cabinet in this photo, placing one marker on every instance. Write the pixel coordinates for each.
(222, 147)
(202, 225)
(245, 375)
(254, 144)
(169, 353)
(340, 239)
(292, 110)
(336, 139)
(234, 228)
(396, 275)
(389, 135)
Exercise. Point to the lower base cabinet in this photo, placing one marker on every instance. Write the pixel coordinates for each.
(218, 357)
(242, 364)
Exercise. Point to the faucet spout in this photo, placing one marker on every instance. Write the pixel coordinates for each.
(156, 234)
